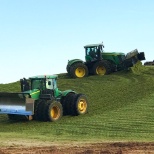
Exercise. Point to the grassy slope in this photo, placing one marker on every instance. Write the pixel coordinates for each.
(121, 108)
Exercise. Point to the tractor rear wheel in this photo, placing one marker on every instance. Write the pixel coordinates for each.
(111, 65)
(101, 68)
(80, 105)
(55, 110)
(79, 70)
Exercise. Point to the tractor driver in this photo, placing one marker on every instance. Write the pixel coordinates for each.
(92, 53)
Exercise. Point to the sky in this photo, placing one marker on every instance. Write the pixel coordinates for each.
(38, 37)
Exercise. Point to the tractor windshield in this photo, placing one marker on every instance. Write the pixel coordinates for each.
(38, 84)
(93, 52)
(43, 84)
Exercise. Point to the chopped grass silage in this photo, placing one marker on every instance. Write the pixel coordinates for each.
(120, 109)
(138, 68)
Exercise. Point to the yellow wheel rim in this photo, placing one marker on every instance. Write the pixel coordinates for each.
(82, 106)
(101, 70)
(80, 72)
(55, 112)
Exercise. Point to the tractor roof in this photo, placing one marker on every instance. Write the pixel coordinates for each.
(44, 76)
(94, 45)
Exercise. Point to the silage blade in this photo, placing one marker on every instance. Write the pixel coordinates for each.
(16, 103)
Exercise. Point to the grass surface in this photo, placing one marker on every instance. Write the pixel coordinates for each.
(121, 108)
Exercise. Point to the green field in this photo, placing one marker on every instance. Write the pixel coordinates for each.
(121, 108)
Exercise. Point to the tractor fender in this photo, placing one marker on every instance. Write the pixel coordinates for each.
(73, 61)
(64, 93)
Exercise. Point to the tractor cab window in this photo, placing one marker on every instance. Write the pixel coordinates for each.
(91, 51)
(38, 84)
(51, 84)
(94, 52)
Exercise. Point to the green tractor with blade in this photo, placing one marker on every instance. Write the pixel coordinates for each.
(99, 62)
(40, 99)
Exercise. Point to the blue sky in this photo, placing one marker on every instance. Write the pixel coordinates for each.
(39, 36)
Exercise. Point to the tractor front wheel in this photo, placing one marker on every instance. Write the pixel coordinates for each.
(78, 70)
(48, 110)
(55, 111)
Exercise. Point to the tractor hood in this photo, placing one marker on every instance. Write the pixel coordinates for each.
(113, 53)
(18, 103)
(32, 93)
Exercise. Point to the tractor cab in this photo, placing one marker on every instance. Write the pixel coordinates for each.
(43, 83)
(46, 84)
(93, 52)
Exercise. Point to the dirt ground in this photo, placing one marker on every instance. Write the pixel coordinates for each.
(90, 148)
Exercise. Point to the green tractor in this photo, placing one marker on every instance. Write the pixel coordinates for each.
(102, 63)
(40, 99)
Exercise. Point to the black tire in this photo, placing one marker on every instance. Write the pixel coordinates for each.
(55, 111)
(66, 101)
(80, 105)
(112, 66)
(39, 114)
(14, 117)
(78, 70)
(35, 109)
(101, 68)
(68, 69)
(45, 111)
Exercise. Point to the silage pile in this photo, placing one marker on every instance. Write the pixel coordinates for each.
(138, 68)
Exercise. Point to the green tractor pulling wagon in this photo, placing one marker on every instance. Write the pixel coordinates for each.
(102, 63)
(41, 99)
